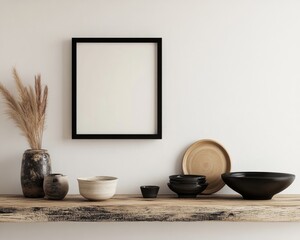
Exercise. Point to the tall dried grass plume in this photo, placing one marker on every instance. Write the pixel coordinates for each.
(28, 108)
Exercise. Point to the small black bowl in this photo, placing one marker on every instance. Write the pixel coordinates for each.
(258, 185)
(187, 178)
(149, 191)
(187, 190)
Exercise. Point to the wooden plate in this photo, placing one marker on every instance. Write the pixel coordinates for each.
(209, 158)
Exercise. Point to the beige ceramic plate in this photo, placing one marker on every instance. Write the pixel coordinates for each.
(209, 158)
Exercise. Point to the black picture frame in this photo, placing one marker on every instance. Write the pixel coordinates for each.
(137, 49)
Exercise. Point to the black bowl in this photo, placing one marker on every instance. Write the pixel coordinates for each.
(187, 191)
(187, 178)
(258, 185)
(185, 184)
(149, 191)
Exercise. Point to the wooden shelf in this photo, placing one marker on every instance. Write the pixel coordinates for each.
(131, 208)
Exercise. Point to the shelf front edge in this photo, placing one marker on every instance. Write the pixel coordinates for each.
(133, 208)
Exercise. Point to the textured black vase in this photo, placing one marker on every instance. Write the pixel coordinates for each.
(35, 165)
(56, 186)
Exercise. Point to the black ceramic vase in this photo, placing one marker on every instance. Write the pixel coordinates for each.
(36, 164)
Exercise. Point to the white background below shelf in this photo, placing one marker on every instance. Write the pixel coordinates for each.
(231, 72)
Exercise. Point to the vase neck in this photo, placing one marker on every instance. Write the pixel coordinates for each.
(36, 151)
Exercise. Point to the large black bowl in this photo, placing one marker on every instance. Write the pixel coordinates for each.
(187, 190)
(258, 185)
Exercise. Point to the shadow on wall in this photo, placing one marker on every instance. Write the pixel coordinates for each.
(10, 174)
(11, 153)
(178, 166)
(66, 84)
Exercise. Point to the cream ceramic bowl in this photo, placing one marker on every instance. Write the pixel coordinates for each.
(97, 188)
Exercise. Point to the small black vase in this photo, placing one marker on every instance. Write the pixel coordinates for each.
(36, 164)
(56, 186)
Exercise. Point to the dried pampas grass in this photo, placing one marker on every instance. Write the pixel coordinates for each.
(28, 110)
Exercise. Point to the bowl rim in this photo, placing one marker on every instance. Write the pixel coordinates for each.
(188, 182)
(187, 177)
(195, 185)
(97, 179)
(149, 187)
(255, 175)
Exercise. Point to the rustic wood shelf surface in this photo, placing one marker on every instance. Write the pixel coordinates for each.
(131, 208)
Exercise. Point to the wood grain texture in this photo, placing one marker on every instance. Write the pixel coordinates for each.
(131, 208)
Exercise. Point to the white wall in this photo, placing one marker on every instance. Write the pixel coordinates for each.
(231, 72)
